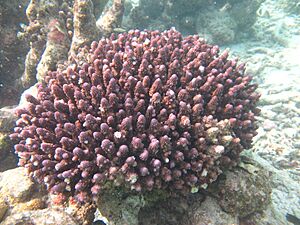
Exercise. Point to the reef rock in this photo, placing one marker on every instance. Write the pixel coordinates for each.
(8, 159)
(120, 208)
(284, 198)
(12, 192)
(23, 201)
(41, 217)
(209, 212)
(245, 190)
(3, 208)
(218, 27)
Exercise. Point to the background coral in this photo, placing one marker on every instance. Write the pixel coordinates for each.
(218, 27)
(12, 50)
(146, 110)
(57, 29)
(221, 22)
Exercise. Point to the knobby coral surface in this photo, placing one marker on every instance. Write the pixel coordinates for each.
(57, 30)
(145, 110)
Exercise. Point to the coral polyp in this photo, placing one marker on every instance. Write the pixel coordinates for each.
(144, 110)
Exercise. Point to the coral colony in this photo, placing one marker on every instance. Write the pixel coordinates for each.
(147, 110)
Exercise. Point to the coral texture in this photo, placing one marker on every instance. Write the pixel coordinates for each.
(58, 29)
(146, 110)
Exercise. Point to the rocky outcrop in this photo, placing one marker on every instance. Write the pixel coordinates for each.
(236, 196)
(23, 202)
(8, 159)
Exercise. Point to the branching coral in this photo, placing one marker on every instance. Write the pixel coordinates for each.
(56, 31)
(147, 110)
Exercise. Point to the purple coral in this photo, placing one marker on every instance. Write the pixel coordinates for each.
(147, 110)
